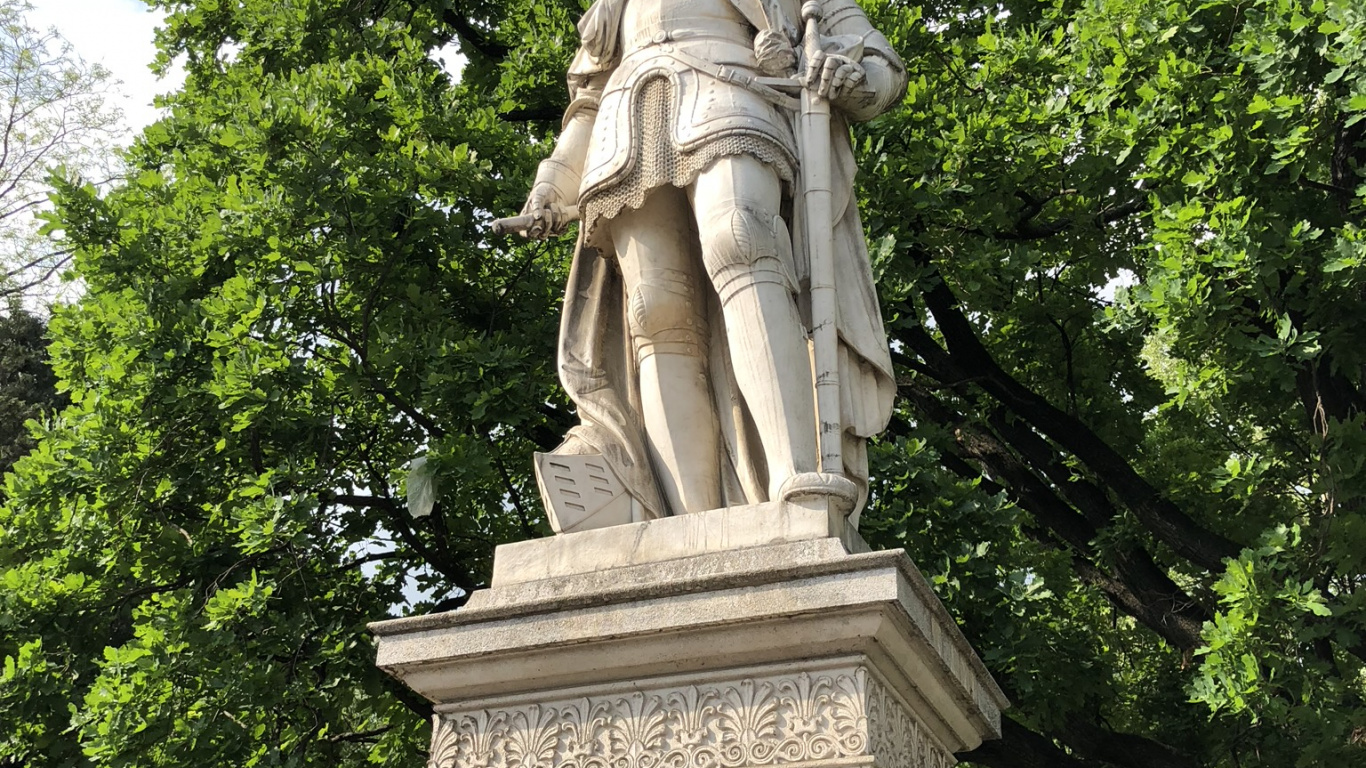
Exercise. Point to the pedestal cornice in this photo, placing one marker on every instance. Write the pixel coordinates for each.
(726, 613)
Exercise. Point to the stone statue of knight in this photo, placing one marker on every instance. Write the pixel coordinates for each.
(685, 337)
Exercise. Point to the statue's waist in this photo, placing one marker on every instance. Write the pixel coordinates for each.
(733, 45)
(703, 55)
(728, 67)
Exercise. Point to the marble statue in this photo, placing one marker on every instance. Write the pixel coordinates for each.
(706, 155)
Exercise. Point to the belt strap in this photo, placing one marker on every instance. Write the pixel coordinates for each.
(736, 77)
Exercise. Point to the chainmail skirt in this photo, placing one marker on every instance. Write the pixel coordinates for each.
(656, 161)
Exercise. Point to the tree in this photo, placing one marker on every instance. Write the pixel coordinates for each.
(1120, 251)
(54, 119)
(28, 387)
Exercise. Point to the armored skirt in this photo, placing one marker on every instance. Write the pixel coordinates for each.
(664, 117)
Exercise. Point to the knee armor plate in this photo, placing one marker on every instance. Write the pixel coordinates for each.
(753, 247)
(665, 314)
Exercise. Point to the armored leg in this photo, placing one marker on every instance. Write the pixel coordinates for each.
(748, 257)
(661, 274)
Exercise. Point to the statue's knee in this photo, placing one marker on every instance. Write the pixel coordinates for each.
(665, 314)
(747, 248)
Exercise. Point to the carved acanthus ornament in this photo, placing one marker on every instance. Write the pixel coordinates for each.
(779, 720)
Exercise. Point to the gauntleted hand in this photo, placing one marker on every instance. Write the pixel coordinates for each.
(545, 206)
(838, 78)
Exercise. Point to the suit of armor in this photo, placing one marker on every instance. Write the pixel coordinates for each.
(684, 166)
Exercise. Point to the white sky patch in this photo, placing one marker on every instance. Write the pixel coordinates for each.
(382, 543)
(452, 61)
(117, 34)
(1124, 278)
(450, 57)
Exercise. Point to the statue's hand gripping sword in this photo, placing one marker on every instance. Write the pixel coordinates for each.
(535, 224)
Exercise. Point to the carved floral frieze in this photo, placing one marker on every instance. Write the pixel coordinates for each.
(757, 721)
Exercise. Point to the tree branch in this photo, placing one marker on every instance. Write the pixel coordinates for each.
(1027, 229)
(360, 736)
(475, 38)
(969, 358)
(1121, 749)
(1020, 747)
(1090, 746)
(1137, 587)
(542, 113)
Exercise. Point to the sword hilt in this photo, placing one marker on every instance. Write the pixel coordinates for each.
(812, 13)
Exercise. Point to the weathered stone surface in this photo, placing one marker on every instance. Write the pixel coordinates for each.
(709, 603)
(700, 624)
(721, 337)
(668, 538)
(817, 714)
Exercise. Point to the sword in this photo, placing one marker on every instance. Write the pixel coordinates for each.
(820, 237)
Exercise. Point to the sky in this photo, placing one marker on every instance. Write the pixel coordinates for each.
(117, 34)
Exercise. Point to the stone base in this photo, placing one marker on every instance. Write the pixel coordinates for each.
(763, 636)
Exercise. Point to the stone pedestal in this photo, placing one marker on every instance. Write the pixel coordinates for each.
(759, 636)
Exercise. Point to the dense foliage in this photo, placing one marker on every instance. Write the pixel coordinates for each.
(1121, 253)
(28, 388)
